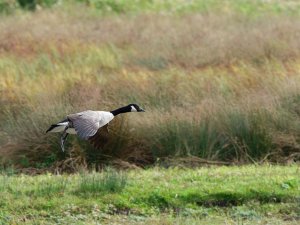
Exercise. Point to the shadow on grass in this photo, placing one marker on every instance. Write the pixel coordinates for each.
(225, 199)
(222, 199)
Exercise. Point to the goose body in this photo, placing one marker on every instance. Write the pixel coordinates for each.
(86, 124)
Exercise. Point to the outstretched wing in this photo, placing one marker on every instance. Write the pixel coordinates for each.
(86, 123)
(100, 138)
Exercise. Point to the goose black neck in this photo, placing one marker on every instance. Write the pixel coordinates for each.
(118, 111)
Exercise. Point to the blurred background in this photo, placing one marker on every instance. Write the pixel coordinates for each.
(220, 80)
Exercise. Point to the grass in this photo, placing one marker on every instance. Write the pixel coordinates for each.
(105, 7)
(109, 181)
(219, 80)
(220, 84)
(247, 194)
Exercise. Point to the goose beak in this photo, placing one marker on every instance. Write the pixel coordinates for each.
(141, 110)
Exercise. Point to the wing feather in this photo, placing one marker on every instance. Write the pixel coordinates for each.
(85, 123)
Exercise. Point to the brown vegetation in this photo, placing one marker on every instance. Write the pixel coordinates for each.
(219, 87)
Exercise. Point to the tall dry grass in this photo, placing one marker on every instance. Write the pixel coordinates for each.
(220, 87)
(151, 40)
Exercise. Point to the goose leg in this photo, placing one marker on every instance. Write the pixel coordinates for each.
(63, 138)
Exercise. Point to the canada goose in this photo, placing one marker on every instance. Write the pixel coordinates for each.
(87, 124)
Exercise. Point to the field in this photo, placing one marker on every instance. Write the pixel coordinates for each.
(219, 81)
(219, 142)
(215, 195)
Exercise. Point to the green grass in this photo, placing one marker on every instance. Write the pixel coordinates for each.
(247, 7)
(95, 183)
(247, 194)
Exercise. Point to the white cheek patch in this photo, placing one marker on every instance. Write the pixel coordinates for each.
(133, 109)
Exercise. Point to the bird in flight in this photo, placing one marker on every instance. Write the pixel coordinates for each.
(88, 124)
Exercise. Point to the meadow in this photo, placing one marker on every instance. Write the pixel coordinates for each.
(214, 195)
(219, 81)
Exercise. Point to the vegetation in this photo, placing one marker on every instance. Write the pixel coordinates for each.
(219, 86)
(109, 181)
(247, 7)
(215, 195)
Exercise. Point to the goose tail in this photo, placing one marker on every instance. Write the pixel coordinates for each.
(59, 127)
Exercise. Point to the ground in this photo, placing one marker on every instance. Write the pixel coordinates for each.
(212, 195)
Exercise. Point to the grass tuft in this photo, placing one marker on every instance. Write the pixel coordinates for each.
(108, 181)
(49, 186)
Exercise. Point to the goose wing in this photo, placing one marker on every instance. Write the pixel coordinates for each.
(85, 123)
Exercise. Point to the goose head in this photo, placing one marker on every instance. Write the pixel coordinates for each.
(135, 108)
